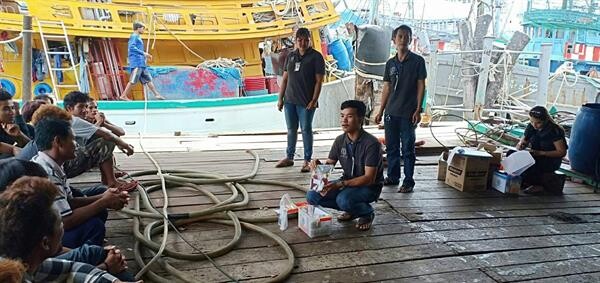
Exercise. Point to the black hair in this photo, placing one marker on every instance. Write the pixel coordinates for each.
(361, 109)
(405, 28)
(137, 25)
(44, 97)
(4, 95)
(540, 112)
(26, 216)
(303, 32)
(29, 108)
(48, 129)
(12, 168)
(74, 97)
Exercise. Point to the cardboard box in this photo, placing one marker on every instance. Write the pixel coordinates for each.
(496, 158)
(314, 221)
(468, 170)
(442, 166)
(505, 183)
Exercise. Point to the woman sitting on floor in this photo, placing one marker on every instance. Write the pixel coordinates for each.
(547, 144)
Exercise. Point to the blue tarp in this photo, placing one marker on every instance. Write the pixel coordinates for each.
(347, 16)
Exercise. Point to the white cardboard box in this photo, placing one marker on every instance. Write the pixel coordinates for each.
(314, 221)
(505, 183)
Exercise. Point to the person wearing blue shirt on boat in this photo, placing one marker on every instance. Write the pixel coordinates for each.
(137, 62)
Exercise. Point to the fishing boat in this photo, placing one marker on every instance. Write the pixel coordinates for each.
(82, 45)
(573, 29)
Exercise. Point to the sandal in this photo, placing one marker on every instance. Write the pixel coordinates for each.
(365, 223)
(534, 190)
(345, 217)
(120, 174)
(405, 189)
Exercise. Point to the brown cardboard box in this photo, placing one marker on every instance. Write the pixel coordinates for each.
(442, 166)
(468, 171)
(496, 158)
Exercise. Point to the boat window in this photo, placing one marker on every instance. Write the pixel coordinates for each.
(539, 32)
(572, 36)
(560, 34)
(548, 33)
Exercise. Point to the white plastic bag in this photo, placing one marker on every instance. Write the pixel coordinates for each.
(320, 177)
(283, 212)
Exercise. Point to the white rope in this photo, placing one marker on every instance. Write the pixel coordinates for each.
(370, 64)
(12, 39)
(179, 40)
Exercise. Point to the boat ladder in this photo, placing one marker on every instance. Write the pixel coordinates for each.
(49, 53)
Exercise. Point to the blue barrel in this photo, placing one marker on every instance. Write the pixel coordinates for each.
(339, 52)
(584, 145)
(350, 50)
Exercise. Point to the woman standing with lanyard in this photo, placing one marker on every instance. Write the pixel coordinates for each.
(547, 144)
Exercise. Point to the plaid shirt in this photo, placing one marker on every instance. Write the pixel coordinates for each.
(60, 270)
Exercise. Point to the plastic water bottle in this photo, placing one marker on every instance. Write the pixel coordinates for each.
(283, 218)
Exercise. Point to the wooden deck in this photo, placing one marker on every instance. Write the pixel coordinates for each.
(436, 234)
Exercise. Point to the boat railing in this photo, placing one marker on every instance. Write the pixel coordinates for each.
(246, 20)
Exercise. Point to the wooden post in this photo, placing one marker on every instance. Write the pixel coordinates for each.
(482, 82)
(26, 93)
(518, 41)
(542, 95)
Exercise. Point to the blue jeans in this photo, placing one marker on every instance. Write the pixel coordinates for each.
(90, 191)
(397, 130)
(93, 255)
(89, 232)
(294, 115)
(353, 200)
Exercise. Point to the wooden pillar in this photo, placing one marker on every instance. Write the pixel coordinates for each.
(543, 77)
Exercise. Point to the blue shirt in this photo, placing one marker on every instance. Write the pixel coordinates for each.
(135, 48)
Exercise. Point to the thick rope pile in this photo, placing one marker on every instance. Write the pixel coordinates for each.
(146, 245)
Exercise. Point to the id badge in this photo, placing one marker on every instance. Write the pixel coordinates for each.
(297, 67)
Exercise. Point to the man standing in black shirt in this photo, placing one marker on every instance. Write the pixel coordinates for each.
(299, 96)
(403, 89)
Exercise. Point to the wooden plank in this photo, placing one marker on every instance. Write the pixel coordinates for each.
(579, 278)
(465, 276)
(532, 271)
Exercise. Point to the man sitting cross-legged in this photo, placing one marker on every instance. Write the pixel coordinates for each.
(31, 232)
(361, 158)
(83, 217)
(95, 144)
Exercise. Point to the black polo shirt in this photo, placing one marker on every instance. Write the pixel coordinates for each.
(301, 72)
(355, 155)
(403, 77)
(544, 140)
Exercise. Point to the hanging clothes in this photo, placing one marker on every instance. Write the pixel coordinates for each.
(58, 64)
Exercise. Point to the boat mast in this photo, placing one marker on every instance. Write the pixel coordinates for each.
(373, 11)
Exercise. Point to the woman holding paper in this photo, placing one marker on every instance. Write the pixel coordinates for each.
(546, 142)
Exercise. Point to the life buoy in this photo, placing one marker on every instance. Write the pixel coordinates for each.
(8, 86)
(42, 88)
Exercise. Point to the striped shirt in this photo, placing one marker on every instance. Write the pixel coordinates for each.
(57, 175)
(60, 270)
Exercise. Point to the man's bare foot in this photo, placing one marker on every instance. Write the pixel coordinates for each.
(124, 98)
(159, 97)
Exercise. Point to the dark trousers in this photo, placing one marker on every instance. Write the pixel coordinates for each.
(400, 130)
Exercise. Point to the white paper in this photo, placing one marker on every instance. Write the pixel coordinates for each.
(516, 163)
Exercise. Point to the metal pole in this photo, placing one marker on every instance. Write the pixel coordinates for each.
(544, 75)
(26, 74)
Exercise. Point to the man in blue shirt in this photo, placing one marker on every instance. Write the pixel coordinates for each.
(137, 62)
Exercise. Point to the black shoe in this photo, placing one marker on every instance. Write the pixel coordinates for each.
(389, 182)
(406, 189)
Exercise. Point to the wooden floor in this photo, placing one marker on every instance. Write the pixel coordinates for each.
(436, 234)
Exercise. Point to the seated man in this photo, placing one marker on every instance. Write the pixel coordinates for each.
(361, 158)
(95, 144)
(108, 258)
(13, 129)
(83, 217)
(31, 231)
(97, 118)
(44, 111)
